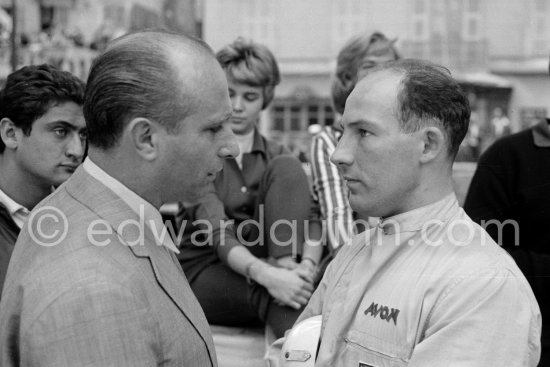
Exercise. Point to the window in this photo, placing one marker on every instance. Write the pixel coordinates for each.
(259, 23)
(328, 116)
(292, 115)
(53, 16)
(349, 17)
(419, 7)
(538, 32)
(46, 17)
(295, 118)
(419, 21)
(313, 115)
(472, 21)
(473, 5)
(279, 118)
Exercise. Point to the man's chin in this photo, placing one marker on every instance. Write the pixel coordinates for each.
(60, 178)
(362, 208)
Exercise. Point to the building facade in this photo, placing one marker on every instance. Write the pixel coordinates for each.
(69, 33)
(498, 49)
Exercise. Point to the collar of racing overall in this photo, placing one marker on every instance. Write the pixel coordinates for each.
(420, 218)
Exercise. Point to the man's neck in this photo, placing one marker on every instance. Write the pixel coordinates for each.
(109, 162)
(434, 185)
(20, 185)
(435, 188)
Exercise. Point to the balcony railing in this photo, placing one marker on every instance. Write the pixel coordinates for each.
(76, 60)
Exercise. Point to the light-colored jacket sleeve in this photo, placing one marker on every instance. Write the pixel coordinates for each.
(483, 320)
(94, 324)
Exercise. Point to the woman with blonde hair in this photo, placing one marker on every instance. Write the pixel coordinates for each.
(253, 273)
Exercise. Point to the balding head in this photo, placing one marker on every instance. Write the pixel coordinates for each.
(150, 74)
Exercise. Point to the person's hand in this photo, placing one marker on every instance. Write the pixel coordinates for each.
(292, 288)
(309, 266)
(286, 262)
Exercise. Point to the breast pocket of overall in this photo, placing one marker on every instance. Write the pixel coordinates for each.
(365, 350)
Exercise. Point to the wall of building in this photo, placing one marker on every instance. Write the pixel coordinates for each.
(89, 16)
(306, 35)
(506, 27)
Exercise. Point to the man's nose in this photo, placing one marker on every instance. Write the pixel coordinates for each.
(230, 148)
(75, 147)
(343, 154)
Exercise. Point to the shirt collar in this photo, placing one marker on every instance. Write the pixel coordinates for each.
(541, 133)
(414, 220)
(258, 145)
(17, 211)
(138, 205)
(245, 141)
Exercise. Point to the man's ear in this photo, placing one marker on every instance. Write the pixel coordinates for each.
(434, 144)
(8, 133)
(144, 136)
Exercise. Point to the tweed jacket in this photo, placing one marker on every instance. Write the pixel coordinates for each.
(97, 301)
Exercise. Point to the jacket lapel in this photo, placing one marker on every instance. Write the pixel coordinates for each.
(139, 239)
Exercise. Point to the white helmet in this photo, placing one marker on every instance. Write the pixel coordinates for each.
(301, 344)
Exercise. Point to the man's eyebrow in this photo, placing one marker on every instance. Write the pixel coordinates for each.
(360, 122)
(225, 117)
(66, 124)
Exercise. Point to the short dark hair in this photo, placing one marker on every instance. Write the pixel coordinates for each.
(349, 60)
(429, 95)
(253, 64)
(32, 90)
(136, 76)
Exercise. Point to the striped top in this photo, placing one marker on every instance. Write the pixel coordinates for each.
(329, 189)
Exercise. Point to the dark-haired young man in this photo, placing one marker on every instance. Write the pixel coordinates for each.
(426, 286)
(43, 139)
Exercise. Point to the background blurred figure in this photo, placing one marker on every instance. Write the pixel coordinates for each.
(500, 123)
(358, 55)
(264, 183)
(471, 145)
(510, 197)
(426, 286)
(43, 140)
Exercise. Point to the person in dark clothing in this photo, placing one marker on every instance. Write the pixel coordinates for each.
(42, 141)
(256, 274)
(509, 197)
